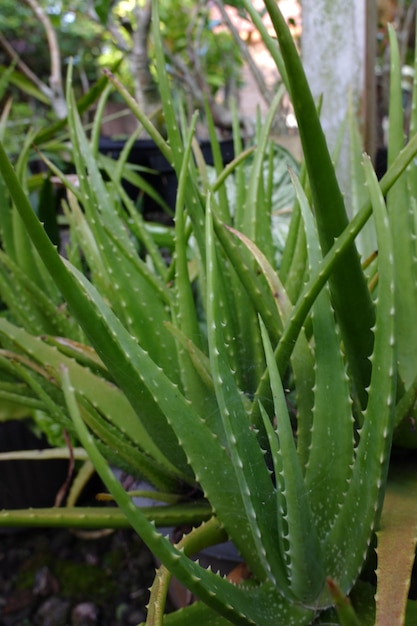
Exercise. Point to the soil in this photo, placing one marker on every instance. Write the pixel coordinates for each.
(54, 577)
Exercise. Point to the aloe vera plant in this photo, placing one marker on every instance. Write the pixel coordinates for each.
(260, 392)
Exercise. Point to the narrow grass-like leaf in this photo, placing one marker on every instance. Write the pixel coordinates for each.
(26, 301)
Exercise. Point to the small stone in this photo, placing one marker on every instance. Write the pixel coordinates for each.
(45, 583)
(84, 614)
(53, 612)
(135, 617)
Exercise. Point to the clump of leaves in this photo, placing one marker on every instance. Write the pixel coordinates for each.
(200, 353)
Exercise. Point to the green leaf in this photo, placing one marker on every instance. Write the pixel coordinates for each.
(296, 530)
(343, 605)
(102, 517)
(118, 350)
(23, 83)
(196, 613)
(103, 8)
(332, 427)
(250, 472)
(401, 211)
(347, 544)
(242, 606)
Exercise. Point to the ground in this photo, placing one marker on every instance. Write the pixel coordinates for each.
(58, 578)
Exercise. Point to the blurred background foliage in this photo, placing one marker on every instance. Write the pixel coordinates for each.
(101, 34)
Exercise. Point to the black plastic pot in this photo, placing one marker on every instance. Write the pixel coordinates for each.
(381, 162)
(146, 154)
(27, 483)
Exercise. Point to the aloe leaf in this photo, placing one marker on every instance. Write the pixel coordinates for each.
(102, 517)
(196, 613)
(411, 178)
(332, 428)
(83, 354)
(219, 487)
(198, 358)
(402, 220)
(165, 91)
(195, 205)
(150, 128)
(254, 217)
(336, 256)
(124, 454)
(267, 40)
(222, 199)
(204, 536)
(262, 298)
(349, 539)
(126, 281)
(276, 288)
(292, 268)
(301, 358)
(138, 226)
(397, 540)
(18, 402)
(345, 611)
(185, 311)
(16, 241)
(102, 395)
(26, 301)
(242, 606)
(235, 166)
(51, 416)
(411, 614)
(118, 350)
(92, 189)
(348, 286)
(240, 310)
(251, 475)
(298, 533)
(366, 240)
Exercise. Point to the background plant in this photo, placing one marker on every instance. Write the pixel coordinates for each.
(201, 61)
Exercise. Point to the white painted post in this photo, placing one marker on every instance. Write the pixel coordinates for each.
(334, 52)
